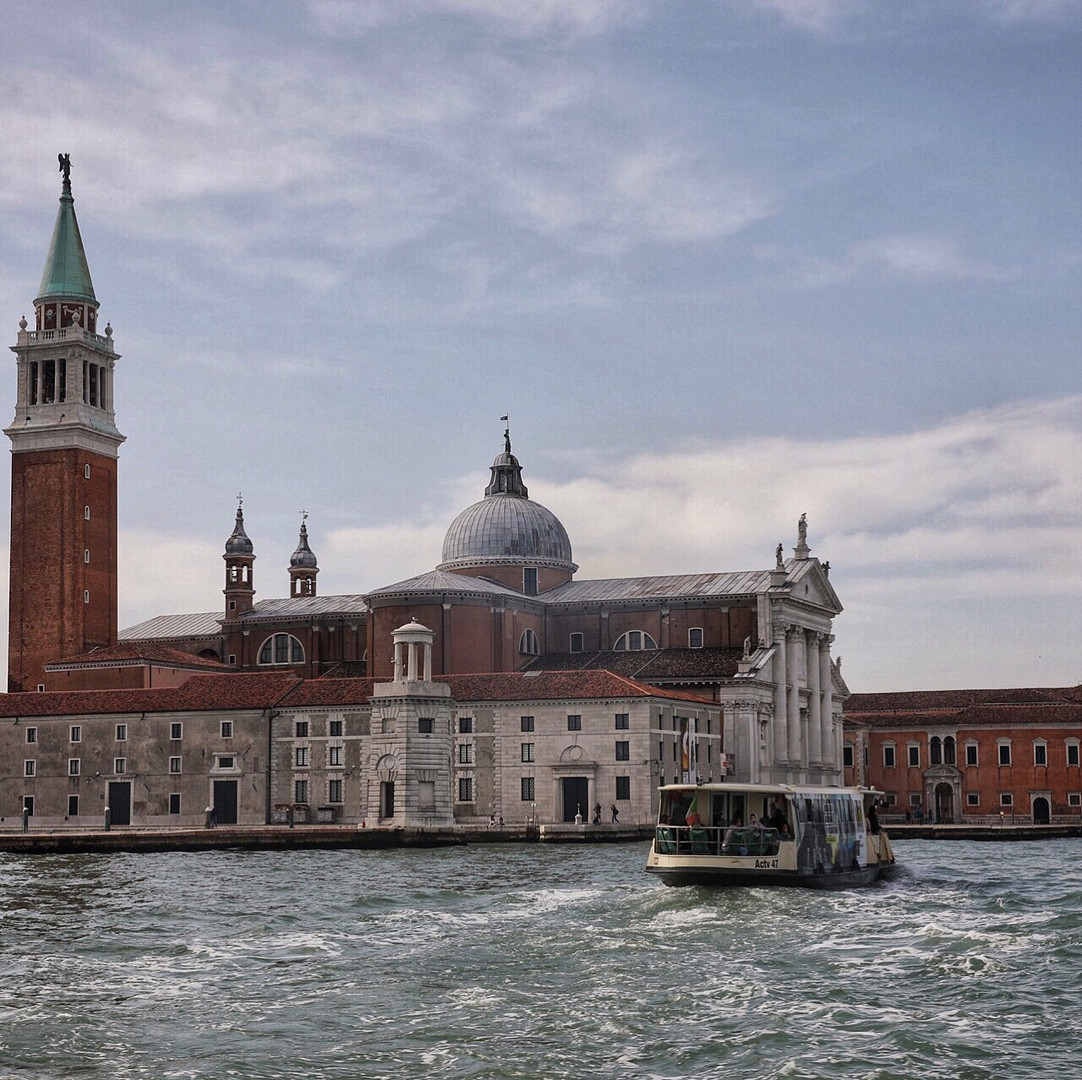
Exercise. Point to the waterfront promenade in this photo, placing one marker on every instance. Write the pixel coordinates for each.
(315, 836)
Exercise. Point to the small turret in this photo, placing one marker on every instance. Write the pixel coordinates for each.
(302, 564)
(239, 557)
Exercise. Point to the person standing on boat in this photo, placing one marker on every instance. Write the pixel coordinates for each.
(873, 821)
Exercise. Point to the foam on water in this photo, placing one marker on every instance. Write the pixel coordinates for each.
(534, 962)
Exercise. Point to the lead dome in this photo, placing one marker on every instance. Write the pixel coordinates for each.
(506, 527)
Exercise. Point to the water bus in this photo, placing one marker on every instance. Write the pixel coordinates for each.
(768, 834)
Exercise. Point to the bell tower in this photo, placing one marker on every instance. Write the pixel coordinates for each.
(64, 443)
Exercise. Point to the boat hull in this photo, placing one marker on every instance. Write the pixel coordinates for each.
(739, 876)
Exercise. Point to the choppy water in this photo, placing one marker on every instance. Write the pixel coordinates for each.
(536, 962)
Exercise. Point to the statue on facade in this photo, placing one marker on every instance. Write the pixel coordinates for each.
(747, 648)
(778, 555)
(802, 531)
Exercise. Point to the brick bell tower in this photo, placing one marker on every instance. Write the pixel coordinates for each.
(64, 442)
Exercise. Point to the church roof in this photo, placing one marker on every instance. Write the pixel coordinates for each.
(437, 582)
(657, 665)
(66, 272)
(127, 654)
(665, 587)
(556, 685)
(197, 624)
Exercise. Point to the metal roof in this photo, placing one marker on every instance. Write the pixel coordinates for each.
(199, 624)
(443, 581)
(506, 528)
(668, 587)
(66, 272)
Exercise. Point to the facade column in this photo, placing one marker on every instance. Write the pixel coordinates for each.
(781, 741)
(832, 756)
(815, 714)
(796, 750)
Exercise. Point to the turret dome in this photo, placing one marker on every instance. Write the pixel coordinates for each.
(238, 543)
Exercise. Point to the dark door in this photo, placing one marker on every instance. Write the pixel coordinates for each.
(576, 797)
(1040, 811)
(944, 804)
(225, 801)
(119, 802)
(386, 798)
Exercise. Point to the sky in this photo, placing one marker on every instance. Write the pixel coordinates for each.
(722, 263)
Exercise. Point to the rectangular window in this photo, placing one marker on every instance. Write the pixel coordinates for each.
(973, 798)
(426, 795)
(226, 761)
(31, 734)
(176, 731)
(971, 755)
(574, 723)
(76, 733)
(28, 804)
(465, 789)
(1040, 754)
(527, 751)
(888, 757)
(1006, 799)
(465, 753)
(300, 791)
(30, 768)
(426, 725)
(529, 580)
(300, 729)
(1074, 798)
(174, 802)
(120, 766)
(695, 638)
(914, 756)
(623, 721)
(465, 725)
(334, 756)
(575, 643)
(74, 766)
(914, 798)
(623, 751)
(527, 723)
(1004, 753)
(232, 655)
(174, 765)
(121, 732)
(227, 729)
(623, 788)
(528, 791)
(301, 757)
(334, 791)
(1072, 753)
(73, 806)
(847, 755)
(334, 728)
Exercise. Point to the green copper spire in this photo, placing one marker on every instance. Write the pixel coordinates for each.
(66, 273)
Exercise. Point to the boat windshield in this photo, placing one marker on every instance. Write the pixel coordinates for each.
(697, 820)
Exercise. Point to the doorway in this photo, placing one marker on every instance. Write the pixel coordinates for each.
(576, 793)
(386, 798)
(1041, 812)
(119, 802)
(944, 804)
(225, 801)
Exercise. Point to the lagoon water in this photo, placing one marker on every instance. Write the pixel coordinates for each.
(536, 962)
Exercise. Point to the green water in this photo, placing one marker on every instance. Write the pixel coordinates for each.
(536, 962)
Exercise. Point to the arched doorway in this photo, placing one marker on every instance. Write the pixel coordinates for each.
(1041, 812)
(944, 804)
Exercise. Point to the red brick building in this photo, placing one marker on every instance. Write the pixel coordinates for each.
(957, 756)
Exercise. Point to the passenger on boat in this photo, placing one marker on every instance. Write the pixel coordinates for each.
(776, 817)
(873, 821)
(783, 831)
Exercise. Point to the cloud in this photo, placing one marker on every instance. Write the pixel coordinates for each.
(1018, 11)
(889, 258)
(810, 14)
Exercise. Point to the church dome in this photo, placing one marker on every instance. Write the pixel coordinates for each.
(506, 527)
(238, 543)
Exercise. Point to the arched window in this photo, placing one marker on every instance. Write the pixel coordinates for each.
(527, 644)
(949, 752)
(935, 751)
(634, 641)
(281, 649)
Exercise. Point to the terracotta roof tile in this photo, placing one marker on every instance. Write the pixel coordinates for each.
(133, 652)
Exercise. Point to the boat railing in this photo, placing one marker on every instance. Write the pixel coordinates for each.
(704, 840)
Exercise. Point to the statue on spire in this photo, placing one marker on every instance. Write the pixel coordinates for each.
(506, 435)
(65, 166)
